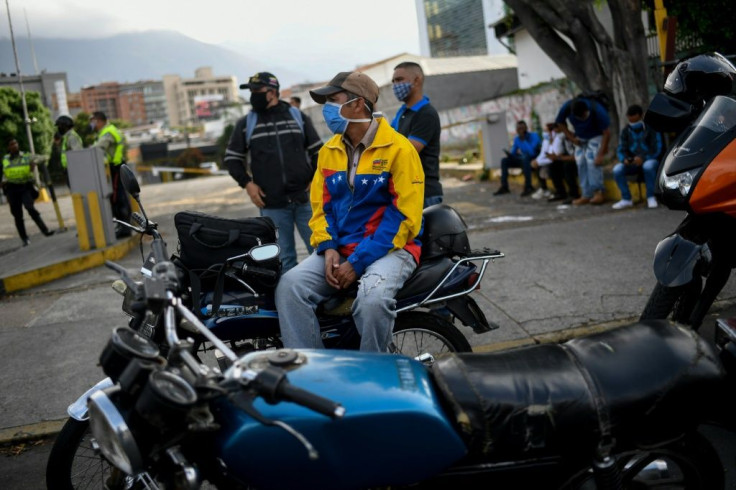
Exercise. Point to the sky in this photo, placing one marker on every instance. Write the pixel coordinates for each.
(316, 35)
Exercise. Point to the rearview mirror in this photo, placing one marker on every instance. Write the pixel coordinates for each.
(666, 113)
(262, 253)
(130, 183)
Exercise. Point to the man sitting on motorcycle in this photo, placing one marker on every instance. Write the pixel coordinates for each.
(366, 200)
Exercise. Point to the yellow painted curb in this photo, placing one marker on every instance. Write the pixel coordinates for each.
(42, 275)
(24, 433)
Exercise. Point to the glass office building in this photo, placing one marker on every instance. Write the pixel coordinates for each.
(455, 28)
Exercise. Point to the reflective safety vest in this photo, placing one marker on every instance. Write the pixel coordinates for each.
(63, 147)
(115, 157)
(17, 170)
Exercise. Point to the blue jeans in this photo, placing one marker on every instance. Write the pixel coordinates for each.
(431, 201)
(285, 219)
(304, 287)
(517, 161)
(620, 171)
(590, 175)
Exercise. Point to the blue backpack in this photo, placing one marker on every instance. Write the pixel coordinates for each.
(252, 119)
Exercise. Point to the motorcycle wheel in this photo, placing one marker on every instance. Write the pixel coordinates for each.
(676, 303)
(690, 463)
(418, 332)
(74, 464)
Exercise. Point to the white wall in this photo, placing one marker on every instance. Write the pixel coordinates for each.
(534, 65)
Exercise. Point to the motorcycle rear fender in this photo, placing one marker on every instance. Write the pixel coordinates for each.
(469, 313)
(78, 410)
(675, 259)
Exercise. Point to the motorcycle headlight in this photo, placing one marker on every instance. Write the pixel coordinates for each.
(113, 435)
(682, 182)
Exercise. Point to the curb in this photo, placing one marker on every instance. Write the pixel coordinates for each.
(43, 275)
(32, 432)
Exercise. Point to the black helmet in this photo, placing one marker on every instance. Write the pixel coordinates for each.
(701, 78)
(444, 232)
(64, 121)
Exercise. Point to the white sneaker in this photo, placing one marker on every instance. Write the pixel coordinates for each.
(547, 194)
(538, 194)
(623, 203)
(652, 202)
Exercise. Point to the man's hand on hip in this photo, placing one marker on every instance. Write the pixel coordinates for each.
(255, 193)
(332, 263)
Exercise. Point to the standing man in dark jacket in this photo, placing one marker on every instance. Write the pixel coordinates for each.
(283, 146)
(420, 123)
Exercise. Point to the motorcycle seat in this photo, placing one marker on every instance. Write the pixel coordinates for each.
(638, 384)
(425, 277)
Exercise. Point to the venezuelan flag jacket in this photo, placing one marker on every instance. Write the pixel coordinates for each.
(382, 213)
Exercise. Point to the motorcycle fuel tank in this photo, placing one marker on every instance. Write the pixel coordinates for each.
(394, 430)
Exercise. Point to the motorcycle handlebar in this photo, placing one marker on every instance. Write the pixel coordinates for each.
(245, 269)
(273, 386)
(307, 399)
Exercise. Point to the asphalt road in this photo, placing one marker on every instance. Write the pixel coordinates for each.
(566, 271)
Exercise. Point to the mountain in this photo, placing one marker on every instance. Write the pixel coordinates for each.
(130, 57)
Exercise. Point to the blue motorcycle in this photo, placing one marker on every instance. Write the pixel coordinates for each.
(615, 410)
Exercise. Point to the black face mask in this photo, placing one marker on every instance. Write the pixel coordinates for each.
(258, 101)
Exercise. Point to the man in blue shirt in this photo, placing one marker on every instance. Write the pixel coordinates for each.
(591, 123)
(420, 123)
(525, 148)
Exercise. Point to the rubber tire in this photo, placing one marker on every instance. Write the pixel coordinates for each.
(61, 458)
(662, 302)
(705, 465)
(424, 321)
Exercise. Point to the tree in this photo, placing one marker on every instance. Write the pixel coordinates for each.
(12, 125)
(572, 36)
(83, 129)
(709, 21)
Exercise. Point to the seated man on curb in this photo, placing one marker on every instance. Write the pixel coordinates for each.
(367, 197)
(526, 146)
(638, 150)
(542, 162)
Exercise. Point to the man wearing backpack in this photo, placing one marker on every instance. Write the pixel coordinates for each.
(592, 132)
(283, 147)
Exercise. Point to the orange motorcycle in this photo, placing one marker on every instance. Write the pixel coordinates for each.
(697, 175)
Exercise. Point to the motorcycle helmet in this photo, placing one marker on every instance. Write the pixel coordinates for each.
(445, 232)
(700, 78)
(64, 122)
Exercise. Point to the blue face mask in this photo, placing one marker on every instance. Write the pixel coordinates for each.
(401, 90)
(335, 121)
(637, 125)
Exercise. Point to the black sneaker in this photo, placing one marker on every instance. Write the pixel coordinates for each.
(527, 192)
(26, 242)
(556, 197)
(501, 190)
(49, 232)
(569, 200)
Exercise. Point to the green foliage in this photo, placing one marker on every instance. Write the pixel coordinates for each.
(711, 21)
(12, 125)
(191, 157)
(121, 123)
(223, 140)
(81, 126)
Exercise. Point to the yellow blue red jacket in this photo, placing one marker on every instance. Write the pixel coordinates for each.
(382, 213)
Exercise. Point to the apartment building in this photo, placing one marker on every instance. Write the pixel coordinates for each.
(184, 95)
(104, 97)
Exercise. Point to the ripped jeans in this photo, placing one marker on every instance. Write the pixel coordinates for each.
(304, 287)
